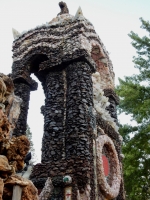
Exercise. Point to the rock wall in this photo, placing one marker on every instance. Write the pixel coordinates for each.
(12, 149)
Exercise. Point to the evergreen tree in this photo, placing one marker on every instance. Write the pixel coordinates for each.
(32, 150)
(134, 92)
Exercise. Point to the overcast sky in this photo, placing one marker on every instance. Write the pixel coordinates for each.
(112, 19)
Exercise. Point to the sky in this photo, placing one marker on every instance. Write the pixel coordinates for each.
(113, 20)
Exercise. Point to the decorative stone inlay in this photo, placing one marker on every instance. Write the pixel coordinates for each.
(110, 186)
(68, 193)
(105, 165)
(67, 179)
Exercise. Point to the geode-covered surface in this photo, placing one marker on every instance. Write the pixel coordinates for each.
(77, 76)
(12, 149)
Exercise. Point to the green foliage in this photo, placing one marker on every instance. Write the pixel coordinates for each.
(134, 92)
(32, 150)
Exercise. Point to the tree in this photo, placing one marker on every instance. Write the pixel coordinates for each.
(32, 150)
(134, 92)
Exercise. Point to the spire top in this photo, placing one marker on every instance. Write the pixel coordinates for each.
(16, 34)
(78, 14)
(63, 7)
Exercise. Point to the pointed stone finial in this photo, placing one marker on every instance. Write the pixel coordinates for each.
(79, 13)
(63, 7)
(16, 34)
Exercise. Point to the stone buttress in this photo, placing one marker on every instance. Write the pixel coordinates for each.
(81, 146)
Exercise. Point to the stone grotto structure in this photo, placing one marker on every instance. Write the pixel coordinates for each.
(81, 145)
(13, 150)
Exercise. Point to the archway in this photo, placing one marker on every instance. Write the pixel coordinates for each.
(36, 101)
(35, 118)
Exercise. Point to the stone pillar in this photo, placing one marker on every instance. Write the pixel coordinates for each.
(79, 131)
(79, 101)
(67, 144)
(22, 90)
(23, 84)
(53, 138)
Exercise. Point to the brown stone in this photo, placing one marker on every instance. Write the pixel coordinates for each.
(1, 113)
(17, 150)
(1, 188)
(4, 165)
(7, 193)
(30, 192)
(28, 189)
(2, 91)
(16, 180)
(9, 84)
(5, 127)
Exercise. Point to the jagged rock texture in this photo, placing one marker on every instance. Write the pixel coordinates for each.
(64, 54)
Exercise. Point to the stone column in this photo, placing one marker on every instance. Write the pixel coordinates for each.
(79, 131)
(23, 85)
(22, 90)
(53, 138)
(79, 102)
(67, 144)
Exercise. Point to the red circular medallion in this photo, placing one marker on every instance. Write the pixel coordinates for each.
(105, 165)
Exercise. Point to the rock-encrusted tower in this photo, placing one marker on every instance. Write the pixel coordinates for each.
(81, 146)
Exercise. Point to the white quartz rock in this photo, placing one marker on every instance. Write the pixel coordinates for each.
(101, 101)
(47, 190)
(78, 14)
(16, 34)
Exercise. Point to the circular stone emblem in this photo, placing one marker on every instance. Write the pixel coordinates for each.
(108, 167)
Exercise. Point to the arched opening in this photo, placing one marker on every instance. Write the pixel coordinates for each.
(35, 61)
(35, 118)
